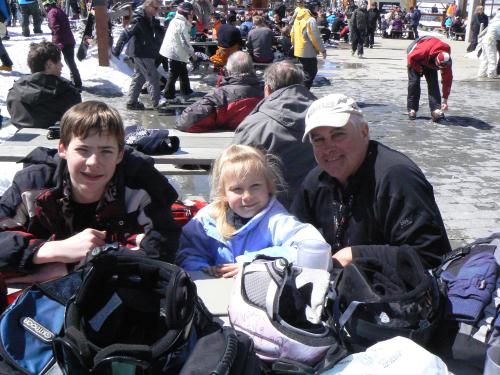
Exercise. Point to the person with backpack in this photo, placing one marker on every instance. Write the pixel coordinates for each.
(89, 192)
(63, 36)
(244, 220)
(363, 196)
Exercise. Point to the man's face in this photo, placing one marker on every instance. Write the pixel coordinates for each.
(91, 164)
(340, 151)
(54, 68)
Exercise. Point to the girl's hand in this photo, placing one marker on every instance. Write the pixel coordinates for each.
(223, 270)
(229, 270)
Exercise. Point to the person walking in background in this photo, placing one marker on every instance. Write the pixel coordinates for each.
(373, 19)
(477, 19)
(177, 48)
(5, 58)
(415, 16)
(306, 41)
(63, 36)
(358, 29)
(488, 43)
(30, 8)
(144, 36)
(427, 56)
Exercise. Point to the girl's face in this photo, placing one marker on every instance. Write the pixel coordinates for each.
(246, 196)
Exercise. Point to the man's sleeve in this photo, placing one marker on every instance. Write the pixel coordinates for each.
(407, 214)
(446, 81)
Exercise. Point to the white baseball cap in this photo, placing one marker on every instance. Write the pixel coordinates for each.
(334, 110)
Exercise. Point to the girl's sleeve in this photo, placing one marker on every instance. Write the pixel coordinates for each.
(195, 251)
(286, 232)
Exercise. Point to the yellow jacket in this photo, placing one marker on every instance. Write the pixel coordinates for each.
(305, 35)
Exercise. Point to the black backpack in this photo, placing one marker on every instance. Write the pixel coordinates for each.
(131, 313)
(375, 301)
(224, 352)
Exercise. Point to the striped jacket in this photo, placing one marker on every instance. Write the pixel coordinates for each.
(37, 208)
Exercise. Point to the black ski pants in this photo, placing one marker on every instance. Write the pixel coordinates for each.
(431, 76)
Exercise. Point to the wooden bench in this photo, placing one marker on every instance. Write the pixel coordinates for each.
(196, 149)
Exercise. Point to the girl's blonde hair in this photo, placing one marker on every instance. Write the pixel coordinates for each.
(237, 161)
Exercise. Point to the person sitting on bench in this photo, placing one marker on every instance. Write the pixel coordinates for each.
(226, 106)
(260, 41)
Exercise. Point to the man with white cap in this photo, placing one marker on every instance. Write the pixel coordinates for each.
(363, 196)
(426, 56)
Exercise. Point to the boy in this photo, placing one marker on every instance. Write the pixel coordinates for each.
(40, 99)
(88, 192)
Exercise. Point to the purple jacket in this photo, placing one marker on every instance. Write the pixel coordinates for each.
(59, 24)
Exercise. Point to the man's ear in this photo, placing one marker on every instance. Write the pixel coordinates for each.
(61, 149)
(365, 130)
(267, 90)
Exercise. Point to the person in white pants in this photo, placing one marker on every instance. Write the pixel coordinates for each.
(488, 42)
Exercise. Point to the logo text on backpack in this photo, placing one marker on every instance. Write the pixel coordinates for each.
(37, 330)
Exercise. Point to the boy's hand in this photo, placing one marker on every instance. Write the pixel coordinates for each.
(72, 249)
(343, 256)
(223, 270)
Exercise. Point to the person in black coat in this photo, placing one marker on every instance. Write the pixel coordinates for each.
(359, 27)
(373, 19)
(40, 99)
(364, 197)
(477, 19)
(144, 36)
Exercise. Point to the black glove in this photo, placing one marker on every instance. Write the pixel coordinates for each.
(116, 52)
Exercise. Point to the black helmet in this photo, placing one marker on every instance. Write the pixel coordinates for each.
(378, 299)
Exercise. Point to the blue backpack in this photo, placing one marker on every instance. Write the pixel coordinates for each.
(29, 324)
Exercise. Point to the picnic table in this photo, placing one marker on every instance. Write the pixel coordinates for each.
(195, 149)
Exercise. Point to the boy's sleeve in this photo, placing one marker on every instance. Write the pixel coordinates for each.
(17, 244)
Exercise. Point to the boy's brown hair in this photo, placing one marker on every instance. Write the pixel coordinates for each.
(42, 52)
(83, 119)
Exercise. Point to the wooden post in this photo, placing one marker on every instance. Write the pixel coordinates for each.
(102, 32)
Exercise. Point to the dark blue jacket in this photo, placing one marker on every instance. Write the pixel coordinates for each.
(144, 36)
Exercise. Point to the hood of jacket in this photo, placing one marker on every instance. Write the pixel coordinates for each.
(37, 88)
(286, 105)
(247, 79)
(303, 15)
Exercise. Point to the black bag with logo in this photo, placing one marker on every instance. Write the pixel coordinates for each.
(131, 315)
(376, 300)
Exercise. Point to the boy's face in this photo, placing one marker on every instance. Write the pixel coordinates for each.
(54, 68)
(91, 164)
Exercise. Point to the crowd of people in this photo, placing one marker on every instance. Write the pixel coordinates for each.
(296, 163)
(298, 167)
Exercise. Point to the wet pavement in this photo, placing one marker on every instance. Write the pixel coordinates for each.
(460, 157)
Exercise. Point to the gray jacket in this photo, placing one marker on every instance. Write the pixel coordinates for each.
(277, 126)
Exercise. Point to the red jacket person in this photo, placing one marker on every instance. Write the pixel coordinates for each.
(426, 56)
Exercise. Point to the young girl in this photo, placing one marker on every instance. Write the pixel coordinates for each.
(244, 219)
